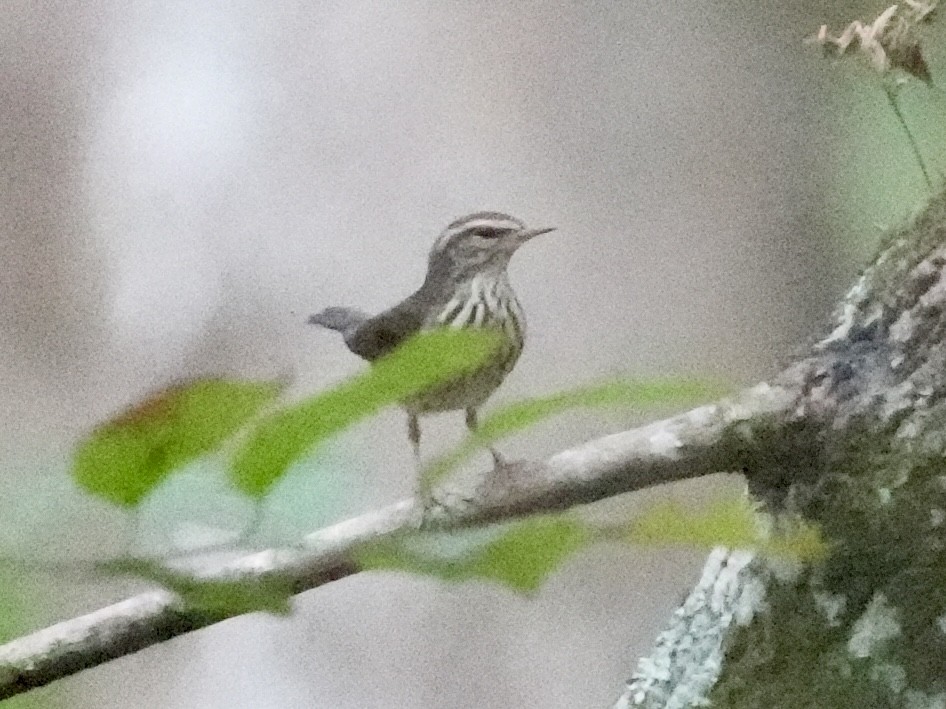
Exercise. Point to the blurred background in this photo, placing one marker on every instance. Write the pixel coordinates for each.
(184, 183)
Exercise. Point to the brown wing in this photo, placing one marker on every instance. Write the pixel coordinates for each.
(381, 334)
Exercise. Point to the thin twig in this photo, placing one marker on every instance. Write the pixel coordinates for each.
(891, 98)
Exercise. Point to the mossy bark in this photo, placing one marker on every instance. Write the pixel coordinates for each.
(864, 458)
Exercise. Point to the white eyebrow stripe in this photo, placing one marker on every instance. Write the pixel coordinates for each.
(490, 224)
(486, 216)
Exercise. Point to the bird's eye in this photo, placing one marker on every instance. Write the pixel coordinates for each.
(487, 232)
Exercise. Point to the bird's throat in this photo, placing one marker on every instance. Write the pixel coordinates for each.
(484, 301)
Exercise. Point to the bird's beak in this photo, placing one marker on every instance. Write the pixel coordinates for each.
(526, 234)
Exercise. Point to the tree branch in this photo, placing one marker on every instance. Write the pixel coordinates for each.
(709, 439)
(689, 654)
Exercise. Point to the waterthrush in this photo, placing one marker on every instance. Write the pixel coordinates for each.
(466, 287)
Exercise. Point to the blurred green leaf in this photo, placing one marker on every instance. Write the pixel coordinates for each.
(522, 557)
(16, 602)
(24, 596)
(523, 414)
(732, 523)
(125, 458)
(421, 363)
(798, 541)
(220, 598)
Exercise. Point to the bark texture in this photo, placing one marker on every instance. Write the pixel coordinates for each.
(863, 457)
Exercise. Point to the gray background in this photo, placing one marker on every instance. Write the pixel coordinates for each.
(183, 183)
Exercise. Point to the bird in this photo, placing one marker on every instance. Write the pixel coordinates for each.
(466, 286)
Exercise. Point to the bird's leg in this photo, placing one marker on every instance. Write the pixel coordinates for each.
(413, 433)
(471, 423)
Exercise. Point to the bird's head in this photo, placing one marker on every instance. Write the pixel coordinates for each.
(482, 242)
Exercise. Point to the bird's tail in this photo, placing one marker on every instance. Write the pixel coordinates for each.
(344, 320)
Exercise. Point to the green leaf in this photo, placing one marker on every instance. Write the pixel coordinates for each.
(522, 557)
(421, 363)
(126, 458)
(219, 598)
(732, 523)
(523, 414)
(798, 541)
